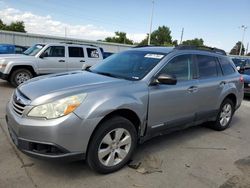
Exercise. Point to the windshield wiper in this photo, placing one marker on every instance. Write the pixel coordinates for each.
(107, 74)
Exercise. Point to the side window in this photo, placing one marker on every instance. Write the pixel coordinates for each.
(207, 66)
(92, 53)
(76, 52)
(55, 51)
(181, 67)
(226, 66)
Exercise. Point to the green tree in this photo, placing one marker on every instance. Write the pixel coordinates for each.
(159, 37)
(236, 49)
(194, 42)
(120, 37)
(17, 26)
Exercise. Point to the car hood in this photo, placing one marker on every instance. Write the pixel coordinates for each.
(15, 57)
(64, 84)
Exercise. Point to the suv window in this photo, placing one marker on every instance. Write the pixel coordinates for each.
(226, 66)
(92, 53)
(76, 52)
(207, 66)
(55, 51)
(181, 67)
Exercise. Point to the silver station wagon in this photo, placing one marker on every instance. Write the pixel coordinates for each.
(101, 114)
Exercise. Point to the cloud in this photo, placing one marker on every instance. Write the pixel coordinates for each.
(46, 25)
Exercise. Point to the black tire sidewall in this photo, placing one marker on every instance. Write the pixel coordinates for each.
(103, 130)
(14, 74)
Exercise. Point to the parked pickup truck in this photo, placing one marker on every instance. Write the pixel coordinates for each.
(42, 59)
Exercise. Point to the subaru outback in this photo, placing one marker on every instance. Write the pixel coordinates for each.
(101, 114)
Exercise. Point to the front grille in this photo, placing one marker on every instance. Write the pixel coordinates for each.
(18, 107)
(19, 102)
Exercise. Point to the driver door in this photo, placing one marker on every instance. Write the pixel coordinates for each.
(53, 60)
(174, 105)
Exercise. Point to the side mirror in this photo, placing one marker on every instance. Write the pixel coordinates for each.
(165, 79)
(44, 54)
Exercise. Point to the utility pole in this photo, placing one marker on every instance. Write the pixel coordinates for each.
(151, 22)
(182, 32)
(247, 48)
(243, 27)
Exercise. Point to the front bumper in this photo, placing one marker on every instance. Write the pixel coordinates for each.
(3, 76)
(63, 138)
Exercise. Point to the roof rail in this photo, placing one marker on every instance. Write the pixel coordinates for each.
(204, 48)
(79, 44)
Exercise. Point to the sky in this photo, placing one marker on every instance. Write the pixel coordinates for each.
(217, 22)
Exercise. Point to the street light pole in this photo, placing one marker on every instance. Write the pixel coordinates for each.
(182, 32)
(151, 22)
(243, 35)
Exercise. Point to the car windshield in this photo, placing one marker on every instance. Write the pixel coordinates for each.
(33, 50)
(130, 65)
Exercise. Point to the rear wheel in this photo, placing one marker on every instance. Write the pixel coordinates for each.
(224, 116)
(20, 76)
(112, 145)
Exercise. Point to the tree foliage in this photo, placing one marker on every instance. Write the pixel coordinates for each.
(236, 49)
(17, 26)
(159, 37)
(120, 37)
(194, 42)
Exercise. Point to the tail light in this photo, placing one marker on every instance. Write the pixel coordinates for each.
(241, 79)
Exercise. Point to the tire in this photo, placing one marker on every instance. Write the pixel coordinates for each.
(20, 76)
(224, 116)
(104, 147)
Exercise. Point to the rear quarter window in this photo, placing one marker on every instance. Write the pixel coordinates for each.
(93, 53)
(226, 66)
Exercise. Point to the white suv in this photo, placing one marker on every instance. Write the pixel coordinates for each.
(49, 58)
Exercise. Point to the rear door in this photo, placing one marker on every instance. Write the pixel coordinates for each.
(53, 60)
(76, 58)
(211, 85)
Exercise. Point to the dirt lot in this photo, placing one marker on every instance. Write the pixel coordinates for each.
(196, 157)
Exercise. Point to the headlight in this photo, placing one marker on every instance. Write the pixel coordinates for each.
(58, 108)
(2, 66)
(248, 85)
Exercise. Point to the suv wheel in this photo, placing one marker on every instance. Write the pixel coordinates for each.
(20, 76)
(225, 115)
(112, 145)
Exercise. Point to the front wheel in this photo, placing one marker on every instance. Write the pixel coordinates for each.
(224, 116)
(112, 145)
(20, 76)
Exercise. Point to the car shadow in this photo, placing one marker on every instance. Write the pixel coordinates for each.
(5, 84)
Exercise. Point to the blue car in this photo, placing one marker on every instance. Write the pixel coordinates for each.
(11, 49)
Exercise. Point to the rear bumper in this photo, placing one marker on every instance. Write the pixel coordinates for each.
(3, 76)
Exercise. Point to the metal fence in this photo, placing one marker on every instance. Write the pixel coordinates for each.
(28, 39)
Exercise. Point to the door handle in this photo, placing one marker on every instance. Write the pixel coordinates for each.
(222, 83)
(61, 60)
(192, 89)
(82, 61)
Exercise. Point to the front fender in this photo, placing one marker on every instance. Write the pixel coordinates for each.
(10, 65)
